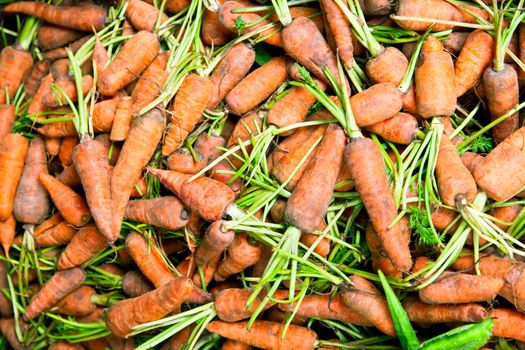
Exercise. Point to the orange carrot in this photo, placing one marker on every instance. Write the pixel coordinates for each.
(176, 5)
(14, 65)
(52, 100)
(61, 52)
(71, 205)
(134, 57)
(69, 177)
(182, 160)
(104, 114)
(122, 121)
(135, 283)
(13, 150)
(380, 260)
(57, 287)
(401, 128)
(109, 145)
(85, 244)
(6, 308)
(100, 56)
(78, 303)
(376, 104)
(506, 214)
(51, 36)
(36, 105)
(235, 345)
(66, 150)
(165, 212)
(190, 101)
(213, 32)
(230, 304)
(60, 234)
(508, 323)
(341, 31)
(152, 306)
(178, 341)
(149, 85)
(64, 345)
(58, 130)
(435, 9)
(8, 330)
(471, 160)
(266, 335)
(7, 119)
(34, 77)
(7, 233)
(143, 16)
(424, 313)
(242, 253)
(248, 126)
(53, 220)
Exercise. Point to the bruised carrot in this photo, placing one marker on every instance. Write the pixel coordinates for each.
(241, 254)
(134, 284)
(66, 150)
(380, 260)
(430, 101)
(68, 87)
(85, 244)
(474, 58)
(149, 85)
(434, 9)
(7, 233)
(138, 148)
(401, 128)
(143, 16)
(230, 304)
(165, 212)
(34, 77)
(51, 36)
(134, 57)
(7, 119)
(183, 161)
(266, 334)
(14, 65)
(71, 205)
(57, 287)
(100, 56)
(78, 303)
(13, 150)
(424, 313)
(341, 31)
(60, 234)
(205, 196)
(186, 111)
(154, 305)
(508, 323)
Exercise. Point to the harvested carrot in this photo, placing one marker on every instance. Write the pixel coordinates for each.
(183, 161)
(143, 16)
(135, 283)
(14, 65)
(68, 87)
(434, 9)
(165, 212)
(85, 244)
(235, 345)
(35, 75)
(57, 287)
(122, 120)
(150, 83)
(215, 241)
(64, 345)
(7, 119)
(154, 305)
(242, 253)
(508, 323)
(424, 313)
(506, 214)
(69, 177)
(66, 150)
(230, 304)
(176, 5)
(376, 104)
(60, 234)
(51, 36)
(248, 126)
(213, 32)
(58, 130)
(100, 56)
(36, 105)
(471, 160)
(78, 303)
(401, 128)
(179, 340)
(8, 329)
(380, 260)
(13, 150)
(104, 114)
(53, 220)
(71, 205)
(7, 233)
(341, 31)
(61, 52)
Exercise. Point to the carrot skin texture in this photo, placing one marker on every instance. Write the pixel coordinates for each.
(471, 160)
(182, 160)
(7, 119)
(376, 104)
(35, 75)
(85, 244)
(215, 241)
(435, 9)
(70, 204)
(341, 30)
(235, 345)
(134, 57)
(317, 182)
(60, 234)
(14, 65)
(50, 100)
(165, 212)
(51, 36)
(213, 32)
(266, 335)
(154, 305)
(66, 150)
(122, 120)
(230, 304)
(78, 302)
(137, 150)
(388, 67)
(401, 128)
(241, 254)
(135, 283)
(508, 323)
(149, 85)
(13, 150)
(424, 313)
(143, 16)
(57, 287)
(291, 108)
(380, 260)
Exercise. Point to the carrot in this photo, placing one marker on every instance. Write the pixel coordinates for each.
(176, 5)
(143, 16)
(66, 150)
(51, 36)
(198, 194)
(213, 32)
(8, 329)
(367, 301)
(58, 130)
(230, 304)
(6, 309)
(140, 188)
(120, 343)
(376, 104)
(104, 114)
(60, 234)
(326, 307)
(14, 65)
(154, 305)
(138, 148)
(341, 31)
(53, 220)
(100, 56)
(64, 345)
(301, 210)
(366, 166)
(95, 344)
(266, 334)
(182, 160)
(442, 218)
(85, 244)
(69, 177)
(456, 185)
(13, 150)
(78, 303)
(248, 126)
(401, 128)
(424, 313)
(149, 85)
(61, 52)
(35, 75)
(7, 119)
(7, 233)
(242, 253)
(50, 100)
(230, 70)
(215, 241)
(388, 67)
(508, 323)
(178, 341)
(471, 160)
(429, 101)
(435, 9)
(71, 206)
(135, 283)
(109, 145)
(474, 58)
(148, 260)
(134, 57)
(229, 18)
(165, 212)
(36, 105)
(506, 214)
(501, 88)
(186, 111)
(380, 260)
(122, 121)
(235, 345)
(57, 287)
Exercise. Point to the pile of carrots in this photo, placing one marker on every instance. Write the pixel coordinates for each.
(284, 174)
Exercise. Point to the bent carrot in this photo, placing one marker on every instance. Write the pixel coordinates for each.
(424, 313)
(13, 150)
(165, 212)
(85, 244)
(150, 83)
(242, 253)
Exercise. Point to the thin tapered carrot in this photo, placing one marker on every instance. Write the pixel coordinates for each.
(78, 303)
(401, 128)
(143, 16)
(475, 56)
(150, 83)
(380, 260)
(137, 150)
(135, 283)
(183, 161)
(52, 36)
(14, 65)
(154, 305)
(60, 234)
(85, 244)
(68, 87)
(508, 323)
(13, 150)
(7, 233)
(241, 254)
(341, 31)
(134, 57)
(57, 287)
(7, 119)
(71, 205)
(100, 56)
(266, 335)
(31, 204)
(186, 111)
(35, 75)
(165, 212)
(424, 313)
(207, 197)
(66, 150)
(122, 121)
(230, 304)
(53, 220)
(435, 9)
(61, 52)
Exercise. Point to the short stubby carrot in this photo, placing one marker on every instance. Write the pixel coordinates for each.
(165, 212)
(13, 150)
(401, 128)
(388, 67)
(7, 119)
(375, 104)
(14, 65)
(152, 306)
(242, 253)
(143, 16)
(425, 313)
(134, 57)
(85, 244)
(230, 304)
(150, 83)
(57, 287)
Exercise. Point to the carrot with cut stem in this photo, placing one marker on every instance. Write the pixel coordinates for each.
(165, 212)
(35, 75)
(143, 16)
(190, 101)
(122, 121)
(60, 234)
(52, 36)
(7, 119)
(7, 233)
(266, 334)
(508, 323)
(135, 283)
(66, 150)
(57, 287)
(134, 57)
(420, 312)
(341, 31)
(70, 204)
(230, 304)
(150, 83)
(85, 244)
(13, 150)
(152, 306)
(242, 253)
